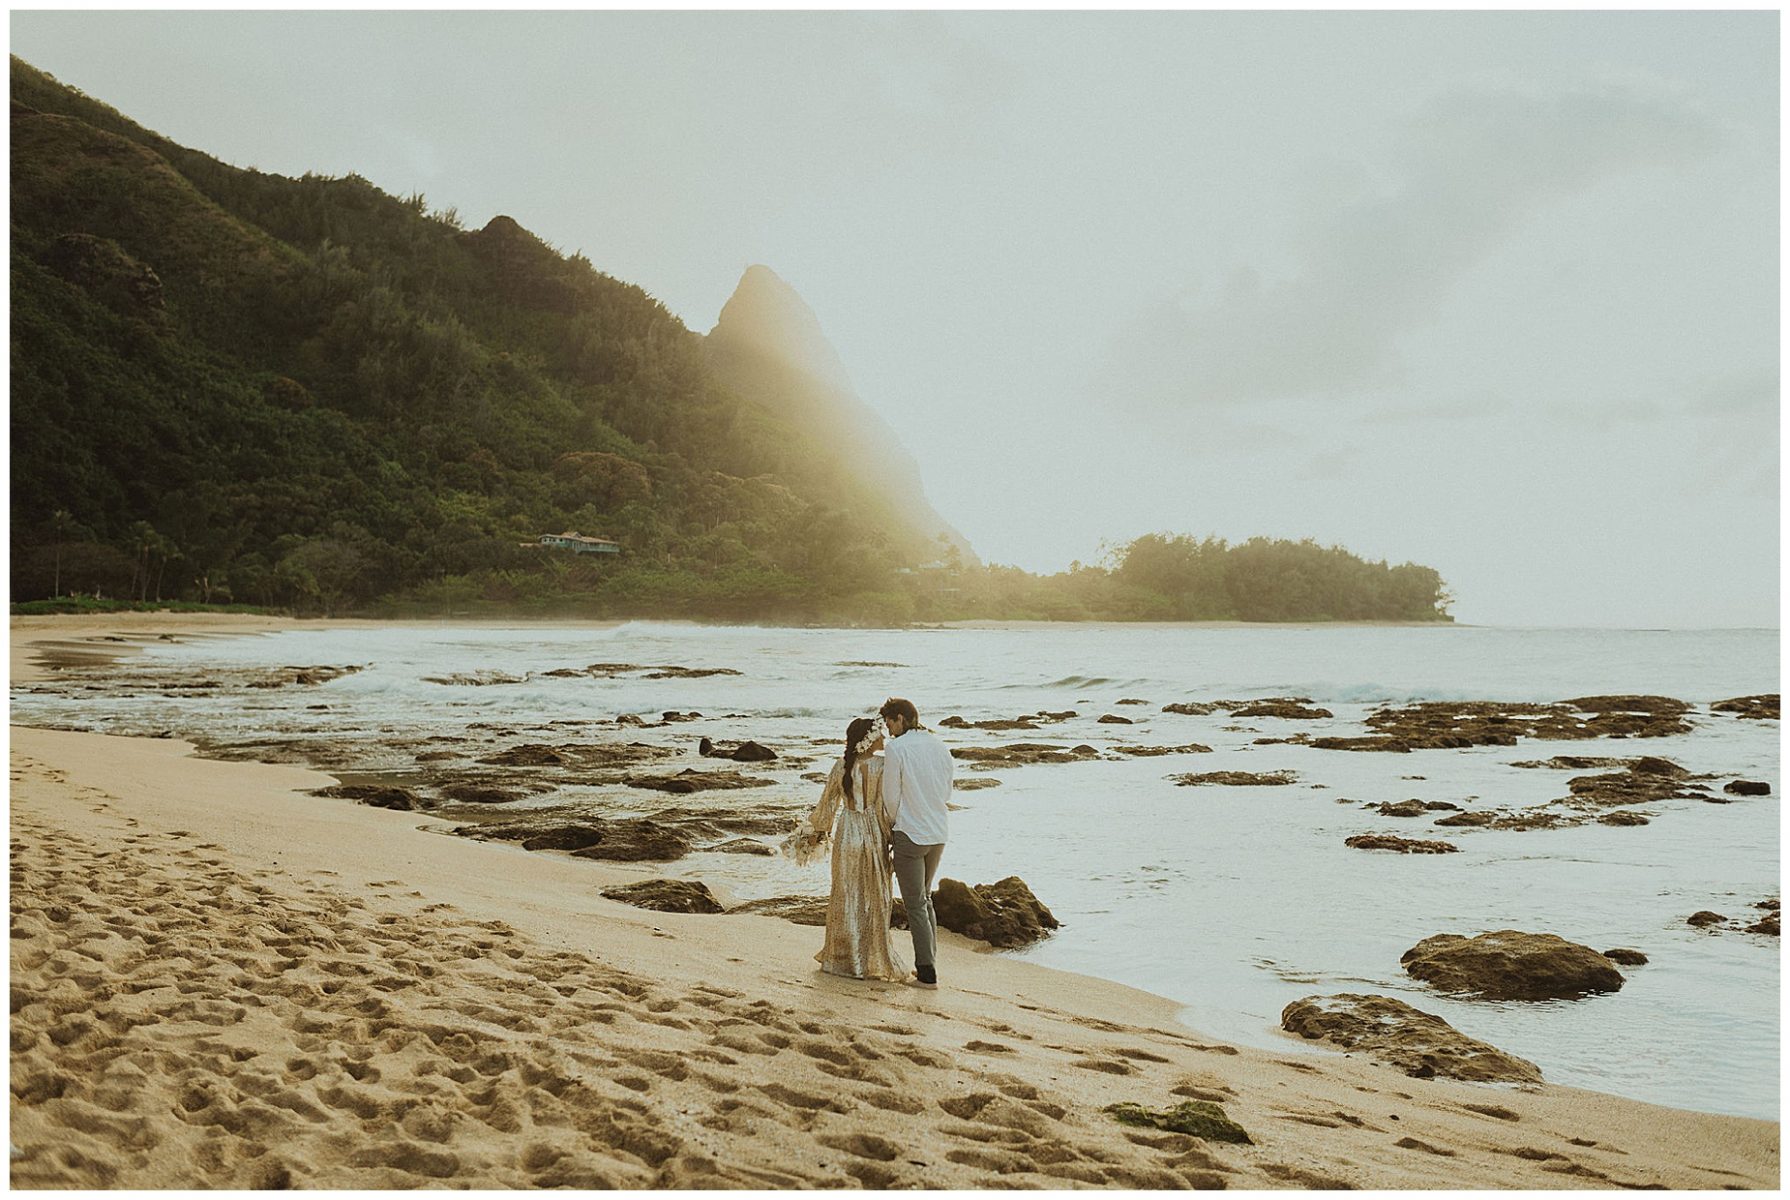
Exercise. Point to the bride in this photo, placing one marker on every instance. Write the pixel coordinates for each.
(858, 944)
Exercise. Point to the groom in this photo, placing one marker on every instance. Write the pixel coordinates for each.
(916, 784)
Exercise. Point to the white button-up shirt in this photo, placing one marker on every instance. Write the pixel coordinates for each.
(916, 785)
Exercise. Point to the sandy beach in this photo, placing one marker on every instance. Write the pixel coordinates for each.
(220, 980)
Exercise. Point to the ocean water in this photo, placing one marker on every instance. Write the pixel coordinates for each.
(1232, 901)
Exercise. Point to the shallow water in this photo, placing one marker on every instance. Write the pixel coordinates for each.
(1232, 900)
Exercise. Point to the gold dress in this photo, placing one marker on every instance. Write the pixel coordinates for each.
(858, 943)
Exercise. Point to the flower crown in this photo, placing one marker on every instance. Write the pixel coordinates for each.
(877, 729)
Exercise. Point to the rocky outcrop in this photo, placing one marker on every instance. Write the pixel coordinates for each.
(301, 676)
(1114, 719)
(1235, 778)
(667, 895)
(1450, 725)
(1283, 709)
(1196, 1118)
(1409, 1039)
(1627, 957)
(1391, 841)
(1157, 751)
(376, 796)
(636, 840)
(1016, 754)
(1414, 808)
(1750, 708)
(1008, 724)
(1748, 787)
(1002, 914)
(1767, 924)
(743, 752)
(477, 793)
(101, 267)
(1511, 965)
(801, 910)
(691, 780)
(1192, 708)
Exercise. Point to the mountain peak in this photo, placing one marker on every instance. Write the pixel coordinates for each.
(768, 316)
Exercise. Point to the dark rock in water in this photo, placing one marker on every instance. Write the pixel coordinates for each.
(1443, 725)
(802, 910)
(1628, 958)
(637, 840)
(376, 796)
(527, 756)
(302, 676)
(570, 836)
(1157, 751)
(1063, 715)
(1748, 787)
(1390, 745)
(1574, 762)
(1113, 719)
(1001, 914)
(1622, 817)
(1413, 1041)
(1754, 708)
(1131, 701)
(1015, 754)
(692, 780)
(477, 793)
(1402, 808)
(1391, 841)
(1768, 925)
(1629, 704)
(998, 723)
(1235, 778)
(476, 679)
(1705, 918)
(1286, 710)
(428, 756)
(744, 752)
(1511, 965)
(967, 784)
(744, 846)
(1197, 1118)
(1661, 780)
(1191, 709)
(674, 716)
(666, 895)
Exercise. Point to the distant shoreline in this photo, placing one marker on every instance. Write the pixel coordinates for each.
(990, 624)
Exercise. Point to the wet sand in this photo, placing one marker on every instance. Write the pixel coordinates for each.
(219, 980)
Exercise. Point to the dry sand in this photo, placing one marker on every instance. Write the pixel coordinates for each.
(220, 981)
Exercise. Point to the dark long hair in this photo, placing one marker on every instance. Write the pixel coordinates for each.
(854, 733)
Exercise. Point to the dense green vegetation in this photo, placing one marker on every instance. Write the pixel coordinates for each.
(235, 387)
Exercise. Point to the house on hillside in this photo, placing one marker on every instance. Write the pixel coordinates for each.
(577, 543)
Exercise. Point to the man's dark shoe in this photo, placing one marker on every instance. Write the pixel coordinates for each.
(926, 977)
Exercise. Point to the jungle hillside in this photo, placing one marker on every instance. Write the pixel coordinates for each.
(231, 387)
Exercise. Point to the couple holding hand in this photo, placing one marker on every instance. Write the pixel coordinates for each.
(882, 813)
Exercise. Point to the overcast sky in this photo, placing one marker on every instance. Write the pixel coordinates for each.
(1495, 292)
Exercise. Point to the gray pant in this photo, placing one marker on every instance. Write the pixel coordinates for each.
(915, 866)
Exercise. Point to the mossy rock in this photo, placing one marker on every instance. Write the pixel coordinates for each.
(1199, 1118)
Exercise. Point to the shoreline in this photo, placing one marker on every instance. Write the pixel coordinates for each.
(196, 930)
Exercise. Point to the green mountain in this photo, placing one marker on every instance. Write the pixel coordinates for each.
(768, 347)
(229, 385)
(305, 391)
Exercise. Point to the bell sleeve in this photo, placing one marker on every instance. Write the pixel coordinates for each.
(809, 841)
